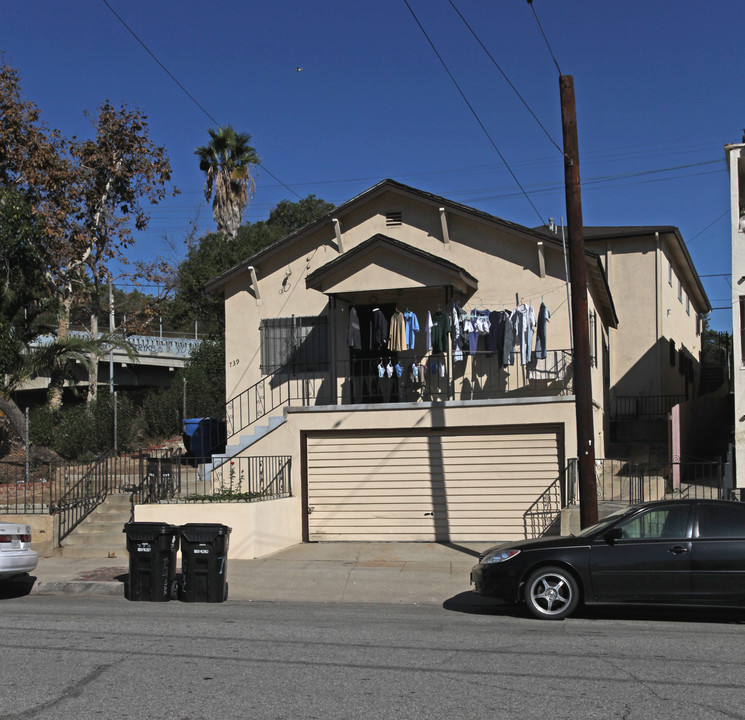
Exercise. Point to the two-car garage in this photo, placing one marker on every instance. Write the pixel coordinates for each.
(460, 484)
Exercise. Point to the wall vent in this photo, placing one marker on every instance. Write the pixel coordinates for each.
(393, 219)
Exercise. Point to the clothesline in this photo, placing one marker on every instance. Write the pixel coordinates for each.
(480, 301)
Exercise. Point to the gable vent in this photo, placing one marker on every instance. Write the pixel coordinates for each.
(393, 219)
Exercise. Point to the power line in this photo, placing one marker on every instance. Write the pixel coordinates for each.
(504, 75)
(475, 114)
(700, 232)
(530, 2)
(188, 94)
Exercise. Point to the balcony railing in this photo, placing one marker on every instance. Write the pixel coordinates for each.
(626, 407)
(385, 379)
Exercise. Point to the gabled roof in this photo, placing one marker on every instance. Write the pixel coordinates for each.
(359, 200)
(376, 190)
(384, 247)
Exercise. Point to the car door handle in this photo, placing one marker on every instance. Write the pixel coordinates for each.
(677, 549)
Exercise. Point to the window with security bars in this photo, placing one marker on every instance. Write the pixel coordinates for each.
(294, 344)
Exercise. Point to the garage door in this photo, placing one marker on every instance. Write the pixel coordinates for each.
(445, 486)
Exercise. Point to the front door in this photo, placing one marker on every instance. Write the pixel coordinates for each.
(650, 562)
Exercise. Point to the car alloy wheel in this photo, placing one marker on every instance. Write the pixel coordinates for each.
(551, 593)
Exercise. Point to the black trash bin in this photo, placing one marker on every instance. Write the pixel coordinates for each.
(152, 549)
(204, 562)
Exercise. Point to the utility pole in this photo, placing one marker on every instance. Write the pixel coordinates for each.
(588, 497)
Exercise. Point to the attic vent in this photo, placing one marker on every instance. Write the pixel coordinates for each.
(393, 219)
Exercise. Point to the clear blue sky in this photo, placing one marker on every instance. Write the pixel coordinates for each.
(659, 86)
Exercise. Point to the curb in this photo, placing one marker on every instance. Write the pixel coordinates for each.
(64, 587)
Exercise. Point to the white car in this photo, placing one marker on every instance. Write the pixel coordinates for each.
(16, 555)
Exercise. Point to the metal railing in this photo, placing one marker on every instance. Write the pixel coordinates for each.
(390, 379)
(251, 479)
(650, 406)
(542, 515)
(82, 497)
(630, 482)
(71, 491)
(169, 478)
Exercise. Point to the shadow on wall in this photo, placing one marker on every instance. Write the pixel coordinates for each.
(705, 427)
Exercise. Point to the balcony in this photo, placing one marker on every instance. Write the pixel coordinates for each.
(386, 379)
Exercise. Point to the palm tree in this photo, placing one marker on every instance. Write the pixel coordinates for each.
(226, 162)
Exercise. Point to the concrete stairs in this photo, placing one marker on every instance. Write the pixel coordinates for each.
(101, 533)
(245, 441)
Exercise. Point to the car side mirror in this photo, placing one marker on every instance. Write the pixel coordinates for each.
(612, 535)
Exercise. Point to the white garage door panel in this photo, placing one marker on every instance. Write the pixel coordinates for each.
(450, 486)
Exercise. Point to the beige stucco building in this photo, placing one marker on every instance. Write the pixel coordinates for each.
(409, 440)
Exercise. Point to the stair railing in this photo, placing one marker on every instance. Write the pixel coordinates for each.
(82, 496)
(542, 514)
(263, 397)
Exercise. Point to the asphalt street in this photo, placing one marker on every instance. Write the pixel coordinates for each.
(96, 656)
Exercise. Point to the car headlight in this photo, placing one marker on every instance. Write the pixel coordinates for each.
(500, 556)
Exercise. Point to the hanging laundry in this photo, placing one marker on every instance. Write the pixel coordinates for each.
(496, 328)
(397, 337)
(479, 321)
(459, 316)
(509, 338)
(378, 329)
(389, 369)
(428, 331)
(354, 338)
(412, 328)
(399, 368)
(524, 318)
(440, 331)
(540, 340)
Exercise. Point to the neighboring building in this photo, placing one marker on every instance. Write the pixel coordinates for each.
(449, 449)
(654, 353)
(735, 155)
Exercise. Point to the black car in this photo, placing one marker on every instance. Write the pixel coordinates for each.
(678, 552)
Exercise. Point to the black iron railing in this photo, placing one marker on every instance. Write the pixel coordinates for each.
(545, 512)
(82, 497)
(630, 482)
(251, 479)
(71, 491)
(644, 406)
(392, 378)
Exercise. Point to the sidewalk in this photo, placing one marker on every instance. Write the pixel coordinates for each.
(365, 572)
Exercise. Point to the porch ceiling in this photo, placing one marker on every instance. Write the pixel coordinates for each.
(382, 264)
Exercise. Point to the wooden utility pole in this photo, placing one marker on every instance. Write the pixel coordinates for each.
(588, 497)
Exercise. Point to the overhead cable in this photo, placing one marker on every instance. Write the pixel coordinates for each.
(475, 114)
(504, 75)
(188, 94)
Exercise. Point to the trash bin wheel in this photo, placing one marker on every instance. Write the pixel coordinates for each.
(173, 590)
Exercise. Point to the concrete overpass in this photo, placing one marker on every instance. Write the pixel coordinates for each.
(158, 357)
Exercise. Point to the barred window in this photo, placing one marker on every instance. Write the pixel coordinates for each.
(294, 343)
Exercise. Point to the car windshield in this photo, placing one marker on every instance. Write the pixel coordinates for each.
(607, 521)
